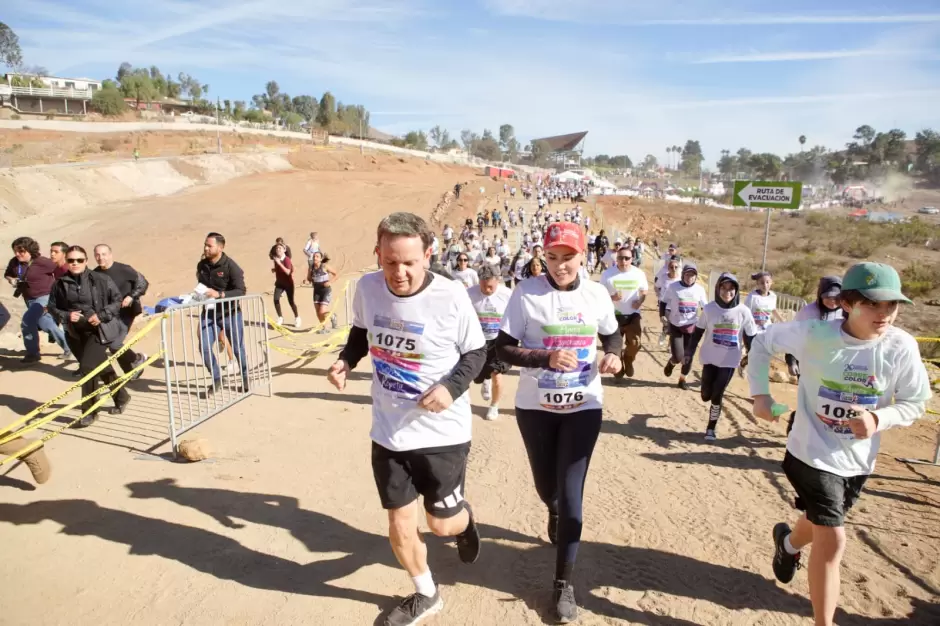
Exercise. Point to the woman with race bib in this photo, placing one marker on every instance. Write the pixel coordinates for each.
(550, 329)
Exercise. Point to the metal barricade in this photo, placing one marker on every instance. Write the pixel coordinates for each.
(788, 306)
(215, 354)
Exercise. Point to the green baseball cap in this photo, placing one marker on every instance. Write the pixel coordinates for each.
(876, 281)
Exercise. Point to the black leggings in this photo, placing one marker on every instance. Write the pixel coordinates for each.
(714, 382)
(289, 291)
(91, 353)
(559, 447)
(679, 343)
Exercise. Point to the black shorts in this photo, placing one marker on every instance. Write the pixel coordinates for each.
(321, 294)
(492, 365)
(825, 497)
(436, 474)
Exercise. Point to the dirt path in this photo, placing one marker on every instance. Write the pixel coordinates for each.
(283, 526)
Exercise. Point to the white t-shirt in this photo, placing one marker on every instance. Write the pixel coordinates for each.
(629, 283)
(762, 307)
(311, 248)
(468, 277)
(883, 375)
(414, 343)
(682, 303)
(448, 233)
(520, 264)
(490, 309)
(610, 259)
(435, 245)
(722, 343)
(542, 317)
(493, 260)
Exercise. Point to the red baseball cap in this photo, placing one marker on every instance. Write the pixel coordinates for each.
(564, 234)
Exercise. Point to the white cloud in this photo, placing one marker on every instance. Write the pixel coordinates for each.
(807, 55)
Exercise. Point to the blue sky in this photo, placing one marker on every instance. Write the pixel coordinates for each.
(639, 76)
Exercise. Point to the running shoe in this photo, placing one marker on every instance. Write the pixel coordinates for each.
(492, 413)
(141, 357)
(333, 322)
(487, 390)
(785, 564)
(669, 367)
(297, 323)
(280, 321)
(662, 339)
(683, 385)
(628, 369)
(566, 608)
(468, 542)
(414, 609)
(67, 357)
(553, 528)
(710, 435)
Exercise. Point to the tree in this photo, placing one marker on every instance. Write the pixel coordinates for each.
(228, 107)
(727, 165)
(621, 161)
(766, 166)
(649, 163)
(927, 144)
(108, 101)
(488, 134)
(292, 120)
(692, 157)
(238, 110)
(10, 53)
(137, 85)
(512, 150)
(435, 135)
(540, 152)
(255, 116)
(307, 106)
(173, 88)
(123, 69)
(467, 138)
(507, 134)
(802, 142)
(326, 113)
(417, 140)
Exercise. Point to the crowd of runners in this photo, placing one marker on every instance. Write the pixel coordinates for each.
(443, 313)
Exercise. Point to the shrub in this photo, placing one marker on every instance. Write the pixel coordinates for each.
(920, 279)
(14, 117)
(108, 101)
(109, 145)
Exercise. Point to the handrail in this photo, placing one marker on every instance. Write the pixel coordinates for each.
(53, 92)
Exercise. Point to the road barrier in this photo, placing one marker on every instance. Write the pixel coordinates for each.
(196, 339)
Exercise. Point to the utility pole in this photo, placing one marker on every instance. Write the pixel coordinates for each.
(218, 124)
(763, 263)
(360, 135)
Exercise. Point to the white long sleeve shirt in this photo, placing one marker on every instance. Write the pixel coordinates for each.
(885, 376)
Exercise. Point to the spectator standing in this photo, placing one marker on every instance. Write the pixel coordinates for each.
(131, 284)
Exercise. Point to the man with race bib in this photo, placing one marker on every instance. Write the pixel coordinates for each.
(627, 286)
(858, 377)
(550, 329)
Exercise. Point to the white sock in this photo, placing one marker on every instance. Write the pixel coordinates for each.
(786, 546)
(424, 584)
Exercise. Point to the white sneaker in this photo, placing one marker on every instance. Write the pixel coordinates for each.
(280, 321)
(297, 322)
(491, 413)
(710, 435)
(487, 390)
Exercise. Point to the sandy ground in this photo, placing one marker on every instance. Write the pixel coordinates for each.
(283, 526)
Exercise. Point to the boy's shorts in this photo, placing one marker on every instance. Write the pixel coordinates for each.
(824, 496)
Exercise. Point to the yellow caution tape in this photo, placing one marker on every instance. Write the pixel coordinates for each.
(127, 345)
(103, 391)
(928, 339)
(286, 332)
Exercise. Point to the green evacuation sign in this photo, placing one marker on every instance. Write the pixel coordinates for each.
(767, 195)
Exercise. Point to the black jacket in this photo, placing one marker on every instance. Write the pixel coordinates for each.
(105, 303)
(226, 277)
(129, 282)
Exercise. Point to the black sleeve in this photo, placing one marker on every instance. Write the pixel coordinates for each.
(10, 271)
(693, 343)
(612, 343)
(236, 280)
(57, 314)
(458, 380)
(662, 308)
(747, 341)
(508, 351)
(140, 285)
(357, 346)
(112, 299)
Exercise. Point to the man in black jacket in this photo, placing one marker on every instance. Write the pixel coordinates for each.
(223, 278)
(132, 285)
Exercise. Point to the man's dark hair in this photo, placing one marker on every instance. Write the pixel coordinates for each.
(852, 297)
(61, 245)
(405, 225)
(487, 272)
(26, 243)
(219, 239)
(77, 249)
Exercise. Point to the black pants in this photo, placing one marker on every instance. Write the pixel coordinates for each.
(289, 291)
(559, 447)
(91, 353)
(715, 381)
(679, 343)
(126, 360)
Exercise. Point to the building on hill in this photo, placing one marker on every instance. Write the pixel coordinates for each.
(51, 95)
(564, 150)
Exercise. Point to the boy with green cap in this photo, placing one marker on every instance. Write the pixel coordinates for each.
(859, 377)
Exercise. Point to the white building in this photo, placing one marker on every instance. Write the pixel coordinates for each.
(56, 82)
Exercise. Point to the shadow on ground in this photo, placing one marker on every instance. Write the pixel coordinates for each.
(506, 565)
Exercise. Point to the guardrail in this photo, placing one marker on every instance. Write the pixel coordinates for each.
(48, 92)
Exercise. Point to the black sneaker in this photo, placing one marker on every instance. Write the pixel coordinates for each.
(684, 386)
(785, 564)
(553, 528)
(415, 608)
(628, 369)
(668, 369)
(86, 421)
(566, 609)
(468, 542)
(29, 359)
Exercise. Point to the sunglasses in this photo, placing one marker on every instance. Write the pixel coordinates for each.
(75, 260)
(624, 258)
(462, 260)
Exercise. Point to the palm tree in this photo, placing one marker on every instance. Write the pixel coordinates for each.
(669, 155)
(802, 142)
(678, 151)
